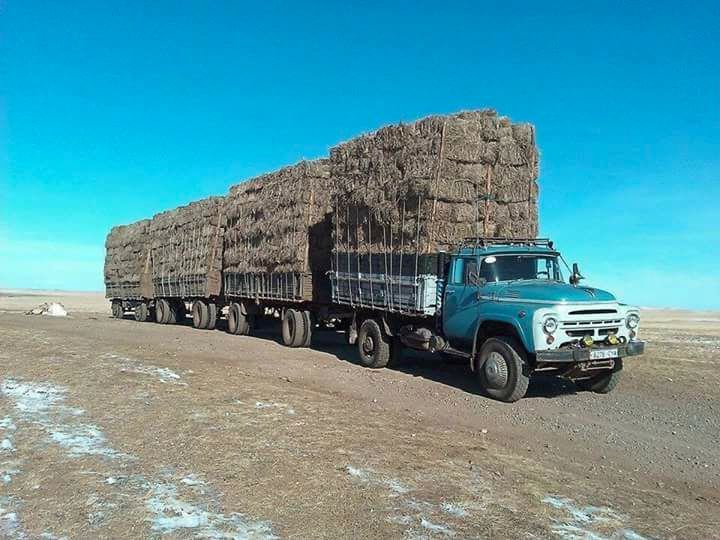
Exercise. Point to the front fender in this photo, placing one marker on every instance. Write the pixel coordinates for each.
(523, 331)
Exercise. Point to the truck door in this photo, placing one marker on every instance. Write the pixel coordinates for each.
(460, 306)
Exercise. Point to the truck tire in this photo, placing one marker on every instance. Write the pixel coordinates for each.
(604, 383)
(200, 315)
(141, 312)
(117, 309)
(293, 328)
(162, 311)
(307, 337)
(373, 345)
(212, 316)
(237, 322)
(502, 369)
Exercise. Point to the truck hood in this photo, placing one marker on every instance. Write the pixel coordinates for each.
(550, 292)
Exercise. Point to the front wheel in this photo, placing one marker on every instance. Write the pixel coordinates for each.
(373, 346)
(502, 369)
(603, 383)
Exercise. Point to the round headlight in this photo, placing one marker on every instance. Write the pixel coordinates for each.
(550, 325)
(632, 321)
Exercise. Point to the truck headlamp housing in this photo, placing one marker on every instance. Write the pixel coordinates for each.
(550, 325)
(632, 321)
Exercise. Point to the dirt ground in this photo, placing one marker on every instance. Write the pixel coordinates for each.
(113, 428)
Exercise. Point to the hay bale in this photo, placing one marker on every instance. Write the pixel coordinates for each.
(279, 222)
(426, 185)
(186, 249)
(126, 251)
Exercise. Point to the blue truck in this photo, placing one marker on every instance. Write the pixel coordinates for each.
(504, 305)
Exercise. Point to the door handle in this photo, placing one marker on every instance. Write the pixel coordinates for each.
(448, 293)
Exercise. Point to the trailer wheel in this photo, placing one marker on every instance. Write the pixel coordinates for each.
(605, 383)
(237, 322)
(502, 369)
(141, 312)
(307, 320)
(117, 309)
(293, 328)
(162, 311)
(212, 316)
(200, 315)
(373, 345)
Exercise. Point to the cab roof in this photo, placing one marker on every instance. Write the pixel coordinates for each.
(495, 246)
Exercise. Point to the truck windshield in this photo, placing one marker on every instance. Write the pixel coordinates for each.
(525, 266)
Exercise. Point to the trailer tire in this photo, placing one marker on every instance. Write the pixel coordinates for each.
(117, 309)
(162, 311)
(293, 328)
(200, 315)
(212, 316)
(307, 337)
(503, 369)
(141, 312)
(373, 345)
(602, 384)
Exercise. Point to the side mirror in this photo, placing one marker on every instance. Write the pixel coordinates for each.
(576, 276)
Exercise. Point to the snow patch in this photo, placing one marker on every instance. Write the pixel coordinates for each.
(454, 509)
(580, 522)
(173, 515)
(130, 365)
(410, 511)
(42, 404)
(436, 528)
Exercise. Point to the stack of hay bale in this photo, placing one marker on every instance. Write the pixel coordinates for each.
(423, 187)
(186, 249)
(125, 259)
(278, 222)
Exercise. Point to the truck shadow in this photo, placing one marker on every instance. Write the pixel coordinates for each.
(454, 372)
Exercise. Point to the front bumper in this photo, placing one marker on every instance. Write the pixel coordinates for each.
(632, 348)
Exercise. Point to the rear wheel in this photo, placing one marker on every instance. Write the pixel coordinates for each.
(502, 369)
(141, 312)
(603, 383)
(307, 320)
(162, 311)
(237, 321)
(212, 316)
(293, 328)
(117, 309)
(200, 314)
(373, 345)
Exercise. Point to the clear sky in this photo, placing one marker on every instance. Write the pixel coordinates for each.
(113, 111)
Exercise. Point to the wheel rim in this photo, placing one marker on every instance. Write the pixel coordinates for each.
(496, 370)
(368, 346)
(196, 315)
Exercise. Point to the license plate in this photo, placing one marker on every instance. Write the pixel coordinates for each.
(603, 354)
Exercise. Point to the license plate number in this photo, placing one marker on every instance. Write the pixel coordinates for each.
(603, 354)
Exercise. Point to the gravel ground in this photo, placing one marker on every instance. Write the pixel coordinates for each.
(113, 428)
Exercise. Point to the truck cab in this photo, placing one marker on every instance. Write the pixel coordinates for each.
(507, 305)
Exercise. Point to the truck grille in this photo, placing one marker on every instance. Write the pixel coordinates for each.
(598, 329)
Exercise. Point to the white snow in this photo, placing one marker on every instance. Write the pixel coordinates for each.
(172, 515)
(41, 404)
(579, 522)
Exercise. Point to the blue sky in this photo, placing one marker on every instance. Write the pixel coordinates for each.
(113, 111)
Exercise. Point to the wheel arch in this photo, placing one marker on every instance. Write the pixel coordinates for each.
(493, 328)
